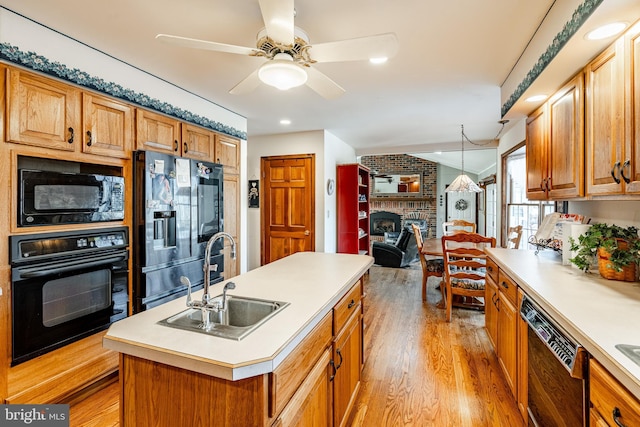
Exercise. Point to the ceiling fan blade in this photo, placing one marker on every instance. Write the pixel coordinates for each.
(250, 83)
(278, 19)
(322, 84)
(204, 44)
(362, 48)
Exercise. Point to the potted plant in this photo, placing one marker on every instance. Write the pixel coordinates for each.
(615, 249)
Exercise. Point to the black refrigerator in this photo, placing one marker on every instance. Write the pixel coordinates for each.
(177, 209)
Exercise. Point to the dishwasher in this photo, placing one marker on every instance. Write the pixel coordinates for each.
(557, 372)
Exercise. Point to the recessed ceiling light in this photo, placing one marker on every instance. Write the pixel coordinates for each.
(536, 98)
(380, 60)
(285, 122)
(606, 31)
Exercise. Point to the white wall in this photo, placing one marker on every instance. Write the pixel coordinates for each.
(336, 152)
(329, 150)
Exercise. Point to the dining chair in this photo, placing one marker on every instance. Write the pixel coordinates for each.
(432, 266)
(514, 234)
(456, 225)
(465, 268)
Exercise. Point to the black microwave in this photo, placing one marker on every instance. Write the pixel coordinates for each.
(50, 198)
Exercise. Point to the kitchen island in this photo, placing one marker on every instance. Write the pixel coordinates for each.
(266, 378)
(597, 312)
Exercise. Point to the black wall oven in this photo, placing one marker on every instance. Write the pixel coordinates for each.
(66, 286)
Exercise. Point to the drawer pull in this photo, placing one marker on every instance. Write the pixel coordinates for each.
(504, 284)
(351, 304)
(616, 417)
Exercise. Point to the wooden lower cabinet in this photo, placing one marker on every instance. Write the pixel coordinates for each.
(348, 358)
(507, 324)
(611, 404)
(507, 332)
(522, 364)
(491, 310)
(315, 385)
(311, 404)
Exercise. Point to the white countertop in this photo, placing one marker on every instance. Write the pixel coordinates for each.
(597, 312)
(312, 282)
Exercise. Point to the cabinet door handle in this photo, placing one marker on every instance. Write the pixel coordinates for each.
(626, 164)
(339, 353)
(613, 172)
(616, 417)
(89, 139)
(548, 183)
(504, 284)
(175, 145)
(351, 304)
(543, 184)
(185, 148)
(71, 135)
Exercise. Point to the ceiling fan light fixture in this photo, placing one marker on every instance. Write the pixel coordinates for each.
(282, 72)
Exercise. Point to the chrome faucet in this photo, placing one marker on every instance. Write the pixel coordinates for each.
(208, 268)
(206, 305)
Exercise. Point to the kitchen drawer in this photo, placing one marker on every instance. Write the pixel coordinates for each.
(607, 396)
(286, 378)
(507, 287)
(345, 307)
(492, 270)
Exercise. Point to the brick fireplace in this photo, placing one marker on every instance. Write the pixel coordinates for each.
(422, 206)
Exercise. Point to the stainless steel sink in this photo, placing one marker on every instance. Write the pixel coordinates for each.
(242, 316)
(631, 351)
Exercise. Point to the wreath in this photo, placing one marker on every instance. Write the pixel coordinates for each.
(462, 205)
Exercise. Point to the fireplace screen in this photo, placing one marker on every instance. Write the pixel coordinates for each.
(382, 222)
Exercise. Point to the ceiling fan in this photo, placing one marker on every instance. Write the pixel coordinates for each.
(289, 53)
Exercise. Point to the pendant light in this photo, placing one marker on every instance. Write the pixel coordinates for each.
(462, 183)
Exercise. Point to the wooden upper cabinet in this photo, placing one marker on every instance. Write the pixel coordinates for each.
(157, 132)
(42, 112)
(197, 143)
(537, 154)
(605, 121)
(228, 153)
(566, 141)
(632, 170)
(555, 145)
(107, 126)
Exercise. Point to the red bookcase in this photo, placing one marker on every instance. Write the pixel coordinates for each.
(353, 209)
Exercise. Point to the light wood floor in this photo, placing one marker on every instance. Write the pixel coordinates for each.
(419, 371)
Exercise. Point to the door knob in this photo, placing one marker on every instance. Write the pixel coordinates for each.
(306, 232)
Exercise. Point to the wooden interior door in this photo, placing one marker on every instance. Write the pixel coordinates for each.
(287, 217)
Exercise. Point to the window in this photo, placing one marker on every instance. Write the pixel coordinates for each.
(518, 209)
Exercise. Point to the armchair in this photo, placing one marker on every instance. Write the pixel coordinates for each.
(399, 254)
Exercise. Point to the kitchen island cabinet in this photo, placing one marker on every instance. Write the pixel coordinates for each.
(281, 373)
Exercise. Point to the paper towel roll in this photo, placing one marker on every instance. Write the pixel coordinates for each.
(574, 231)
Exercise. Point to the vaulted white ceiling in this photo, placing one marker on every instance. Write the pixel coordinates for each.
(458, 61)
